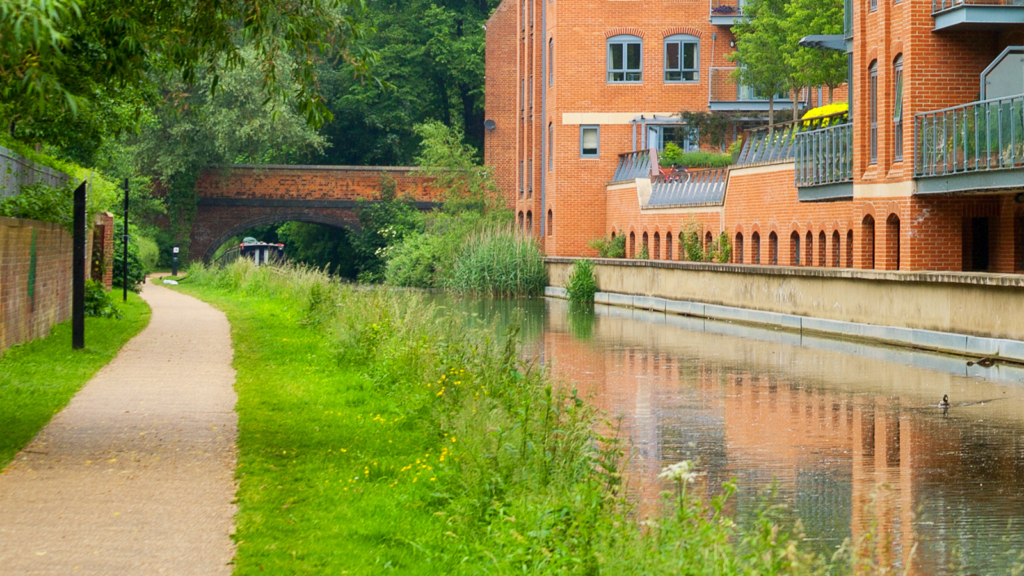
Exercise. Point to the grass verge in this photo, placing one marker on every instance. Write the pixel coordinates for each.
(38, 378)
(378, 434)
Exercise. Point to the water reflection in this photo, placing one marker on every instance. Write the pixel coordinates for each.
(829, 421)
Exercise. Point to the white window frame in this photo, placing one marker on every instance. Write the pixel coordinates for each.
(629, 75)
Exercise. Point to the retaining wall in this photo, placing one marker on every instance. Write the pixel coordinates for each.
(967, 313)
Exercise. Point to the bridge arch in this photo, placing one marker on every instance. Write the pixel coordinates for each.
(332, 220)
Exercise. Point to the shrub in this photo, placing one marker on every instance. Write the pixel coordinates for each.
(700, 159)
(98, 303)
(136, 267)
(643, 254)
(610, 247)
(149, 253)
(42, 202)
(500, 262)
(413, 263)
(581, 283)
(672, 154)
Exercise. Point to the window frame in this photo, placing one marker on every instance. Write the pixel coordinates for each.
(624, 40)
(597, 128)
(873, 112)
(681, 40)
(897, 110)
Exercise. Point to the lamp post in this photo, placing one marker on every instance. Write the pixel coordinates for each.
(78, 271)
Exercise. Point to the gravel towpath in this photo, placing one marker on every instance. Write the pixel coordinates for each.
(136, 474)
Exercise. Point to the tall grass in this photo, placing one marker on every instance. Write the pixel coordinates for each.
(499, 261)
(581, 283)
(381, 434)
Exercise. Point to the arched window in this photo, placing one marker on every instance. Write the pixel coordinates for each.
(646, 252)
(551, 145)
(668, 245)
(625, 58)
(682, 246)
(849, 249)
(522, 220)
(739, 248)
(551, 62)
(529, 222)
(835, 249)
(873, 112)
(682, 58)
(755, 248)
(708, 241)
(632, 245)
(892, 242)
(821, 249)
(867, 240)
(794, 248)
(657, 247)
(809, 249)
(551, 224)
(773, 249)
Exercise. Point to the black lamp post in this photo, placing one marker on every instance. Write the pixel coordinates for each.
(124, 253)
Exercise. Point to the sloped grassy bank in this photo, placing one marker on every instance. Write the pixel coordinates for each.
(378, 433)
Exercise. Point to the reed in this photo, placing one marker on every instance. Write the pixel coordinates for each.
(499, 261)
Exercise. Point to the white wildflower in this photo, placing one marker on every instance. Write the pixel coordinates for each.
(683, 472)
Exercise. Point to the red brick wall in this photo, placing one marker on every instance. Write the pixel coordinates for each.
(21, 317)
(310, 182)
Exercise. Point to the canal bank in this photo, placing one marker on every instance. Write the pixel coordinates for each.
(974, 314)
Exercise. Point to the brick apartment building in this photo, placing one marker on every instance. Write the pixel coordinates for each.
(925, 173)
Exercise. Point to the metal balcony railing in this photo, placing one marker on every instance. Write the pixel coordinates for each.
(824, 156)
(691, 188)
(940, 5)
(980, 136)
(778, 143)
(637, 164)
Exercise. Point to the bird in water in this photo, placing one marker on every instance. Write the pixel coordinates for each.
(945, 401)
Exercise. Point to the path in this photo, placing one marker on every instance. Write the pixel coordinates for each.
(136, 475)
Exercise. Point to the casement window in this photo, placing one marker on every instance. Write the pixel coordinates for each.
(873, 90)
(682, 58)
(551, 145)
(551, 62)
(590, 138)
(897, 110)
(625, 59)
(873, 5)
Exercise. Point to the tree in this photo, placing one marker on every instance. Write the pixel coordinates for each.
(431, 54)
(457, 172)
(762, 43)
(816, 67)
(61, 57)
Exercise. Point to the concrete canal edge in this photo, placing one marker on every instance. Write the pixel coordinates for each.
(970, 314)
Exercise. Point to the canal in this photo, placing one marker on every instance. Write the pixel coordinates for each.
(850, 434)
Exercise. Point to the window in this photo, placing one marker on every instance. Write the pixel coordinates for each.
(521, 179)
(551, 223)
(873, 89)
(522, 94)
(590, 141)
(531, 13)
(551, 145)
(529, 185)
(625, 61)
(874, 5)
(531, 94)
(739, 248)
(897, 110)
(686, 138)
(524, 14)
(551, 62)
(668, 245)
(755, 248)
(529, 222)
(682, 58)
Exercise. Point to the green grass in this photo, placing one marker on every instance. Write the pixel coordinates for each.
(378, 434)
(38, 378)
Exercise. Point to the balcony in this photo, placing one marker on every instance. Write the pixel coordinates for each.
(637, 164)
(726, 12)
(824, 161)
(690, 189)
(726, 94)
(977, 14)
(973, 147)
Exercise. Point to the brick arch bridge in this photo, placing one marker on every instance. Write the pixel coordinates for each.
(236, 198)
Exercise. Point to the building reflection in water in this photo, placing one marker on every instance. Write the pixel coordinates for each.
(842, 428)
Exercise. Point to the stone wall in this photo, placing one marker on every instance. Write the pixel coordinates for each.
(975, 304)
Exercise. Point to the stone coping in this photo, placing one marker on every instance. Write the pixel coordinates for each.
(949, 342)
(309, 167)
(26, 223)
(975, 278)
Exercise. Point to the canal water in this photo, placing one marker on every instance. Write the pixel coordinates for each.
(850, 434)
